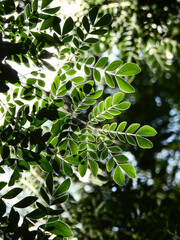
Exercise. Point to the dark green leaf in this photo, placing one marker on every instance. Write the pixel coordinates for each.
(80, 33)
(36, 214)
(60, 199)
(63, 187)
(12, 193)
(44, 195)
(68, 26)
(104, 21)
(67, 169)
(49, 182)
(25, 202)
(1, 170)
(93, 14)
(45, 3)
(99, 32)
(52, 10)
(86, 23)
(2, 185)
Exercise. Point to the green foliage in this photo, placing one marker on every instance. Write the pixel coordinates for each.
(69, 128)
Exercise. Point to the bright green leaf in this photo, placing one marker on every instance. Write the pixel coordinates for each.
(128, 69)
(129, 170)
(118, 176)
(146, 131)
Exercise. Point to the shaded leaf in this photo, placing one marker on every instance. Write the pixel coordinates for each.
(93, 14)
(25, 202)
(12, 193)
(104, 21)
(68, 26)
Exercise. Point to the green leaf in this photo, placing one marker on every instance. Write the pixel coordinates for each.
(94, 167)
(114, 65)
(35, 5)
(90, 60)
(104, 21)
(2, 185)
(44, 195)
(91, 40)
(52, 10)
(49, 22)
(71, 72)
(132, 128)
(109, 80)
(128, 69)
(49, 182)
(60, 199)
(36, 214)
(31, 81)
(101, 62)
(28, 10)
(25, 202)
(97, 75)
(1, 170)
(99, 32)
(83, 168)
(45, 3)
(122, 106)
(146, 131)
(118, 176)
(101, 106)
(68, 26)
(77, 79)
(108, 102)
(80, 33)
(67, 169)
(112, 126)
(86, 24)
(96, 94)
(12, 193)
(104, 154)
(117, 98)
(121, 158)
(93, 14)
(63, 187)
(87, 70)
(129, 170)
(110, 164)
(41, 83)
(58, 228)
(73, 146)
(130, 140)
(124, 86)
(144, 143)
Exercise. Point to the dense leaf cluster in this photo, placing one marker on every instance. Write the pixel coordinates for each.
(69, 130)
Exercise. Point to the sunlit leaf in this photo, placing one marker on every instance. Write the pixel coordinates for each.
(118, 176)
